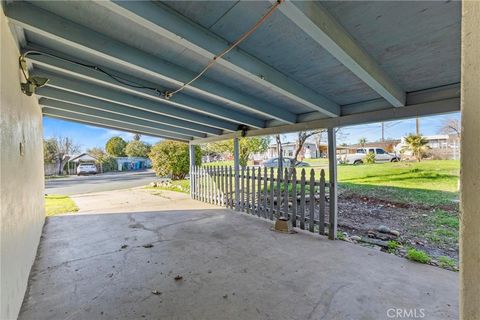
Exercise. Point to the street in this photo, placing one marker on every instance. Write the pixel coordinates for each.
(97, 183)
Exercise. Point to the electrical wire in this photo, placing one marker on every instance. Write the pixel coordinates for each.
(229, 48)
(20, 59)
(119, 79)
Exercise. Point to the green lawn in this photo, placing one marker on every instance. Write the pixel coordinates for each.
(429, 183)
(320, 162)
(440, 175)
(56, 204)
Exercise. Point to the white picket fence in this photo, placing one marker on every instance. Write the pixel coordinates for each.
(266, 193)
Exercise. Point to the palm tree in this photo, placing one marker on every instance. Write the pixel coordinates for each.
(416, 144)
(362, 142)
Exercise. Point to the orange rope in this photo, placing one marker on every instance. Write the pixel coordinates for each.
(229, 48)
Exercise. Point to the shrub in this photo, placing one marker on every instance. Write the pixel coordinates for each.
(370, 158)
(392, 246)
(108, 163)
(418, 255)
(171, 159)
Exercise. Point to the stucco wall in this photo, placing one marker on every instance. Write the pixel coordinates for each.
(21, 179)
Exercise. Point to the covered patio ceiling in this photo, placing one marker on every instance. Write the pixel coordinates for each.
(309, 65)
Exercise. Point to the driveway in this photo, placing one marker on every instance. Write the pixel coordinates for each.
(134, 199)
(97, 183)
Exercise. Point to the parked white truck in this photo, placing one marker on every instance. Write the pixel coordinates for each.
(359, 156)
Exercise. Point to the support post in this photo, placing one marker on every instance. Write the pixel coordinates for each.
(191, 149)
(469, 163)
(236, 167)
(332, 173)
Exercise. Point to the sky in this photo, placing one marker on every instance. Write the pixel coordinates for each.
(85, 135)
(90, 136)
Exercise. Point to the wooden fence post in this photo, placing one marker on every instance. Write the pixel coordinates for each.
(294, 198)
(286, 193)
(302, 200)
(321, 213)
(215, 185)
(220, 182)
(272, 191)
(248, 190)
(259, 192)
(254, 211)
(279, 193)
(227, 195)
(265, 196)
(242, 193)
(230, 176)
(311, 222)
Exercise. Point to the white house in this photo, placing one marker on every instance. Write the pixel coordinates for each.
(309, 151)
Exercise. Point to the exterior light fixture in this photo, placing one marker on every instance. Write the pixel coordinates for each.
(32, 82)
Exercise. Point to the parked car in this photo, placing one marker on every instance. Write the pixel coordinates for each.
(86, 168)
(287, 162)
(359, 156)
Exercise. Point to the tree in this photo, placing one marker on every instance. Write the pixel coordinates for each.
(96, 152)
(137, 148)
(58, 150)
(416, 144)
(49, 150)
(451, 126)
(107, 162)
(278, 140)
(301, 138)
(362, 142)
(137, 136)
(247, 146)
(116, 147)
(171, 158)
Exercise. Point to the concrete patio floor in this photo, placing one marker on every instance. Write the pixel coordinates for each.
(232, 267)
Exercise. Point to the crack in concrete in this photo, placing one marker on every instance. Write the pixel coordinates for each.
(76, 260)
(327, 298)
(154, 230)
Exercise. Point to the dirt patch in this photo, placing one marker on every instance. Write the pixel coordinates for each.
(432, 230)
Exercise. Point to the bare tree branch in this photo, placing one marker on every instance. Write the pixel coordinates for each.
(451, 126)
